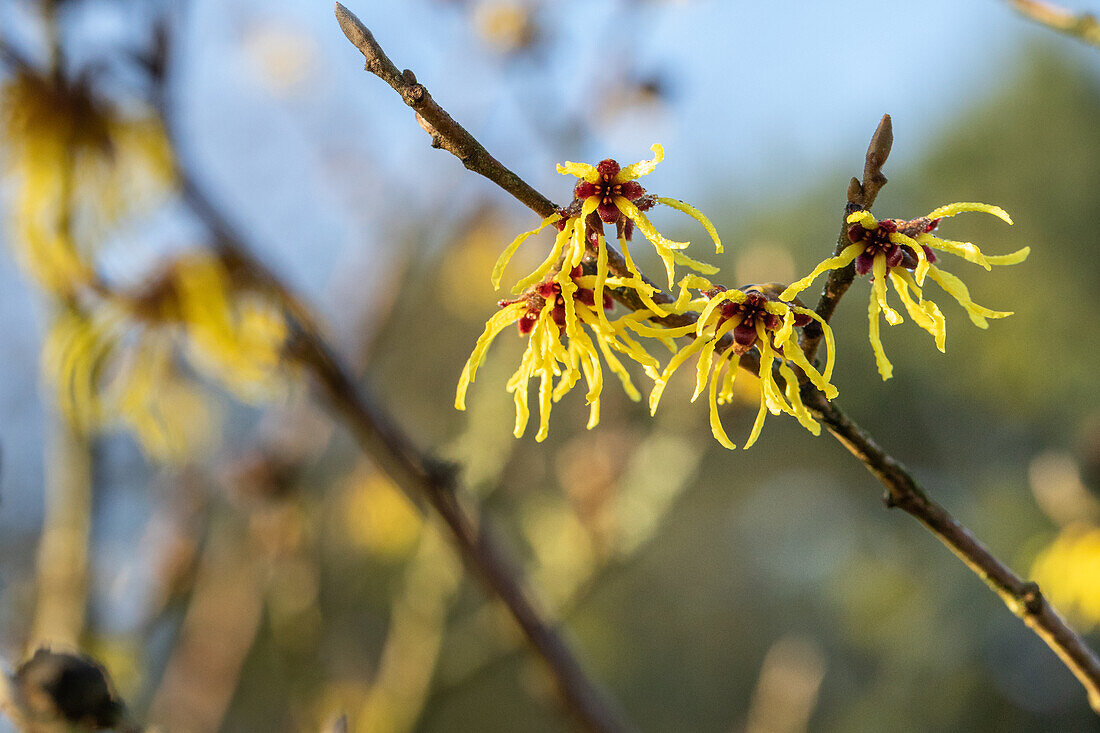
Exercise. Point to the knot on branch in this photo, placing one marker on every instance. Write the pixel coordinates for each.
(1032, 598)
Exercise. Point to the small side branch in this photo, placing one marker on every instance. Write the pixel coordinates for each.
(861, 196)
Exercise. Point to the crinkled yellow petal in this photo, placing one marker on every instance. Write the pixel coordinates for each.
(642, 167)
(960, 206)
(830, 340)
(645, 294)
(580, 170)
(694, 213)
(863, 217)
(958, 290)
(650, 332)
(544, 406)
(1010, 259)
(645, 226)
(925, 313)
(716, 428)
(967, 250)
(619, 339)
(918, 251)
(758, 424)
(879, 289)
(885, 368)
(793, 353)
(674, 363)
(773, 396)
(619, 371)
(845, 258)
(787, 314)
(707, 354)
(703, 322)
(499, 321)
(510, 250)
(682, 259)
(601, 280)
(798, 409)
(564, 236)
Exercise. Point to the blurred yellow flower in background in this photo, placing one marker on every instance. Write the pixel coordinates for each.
(119, 362)
(80, 165)
(1068, 571)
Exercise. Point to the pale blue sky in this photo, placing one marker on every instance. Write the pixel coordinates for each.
(767, 97)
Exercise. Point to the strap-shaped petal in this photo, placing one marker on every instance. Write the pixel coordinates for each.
(642, 167)
(845, 258)
(967, 250)
(716, 428)
(580, 170)
(674, 363)
(698, 216)
(921, 269)
(1010, 259)
(879, 289)
(830, 340)
(645, 226)
(551, 259)
(644, 293)
(798, 409)
(961, 206)
(706, 356)
(925, 313)
(510, 250)
(735, 296)
(885, 368)
(499, 321)
(863, 217)
(958, 290)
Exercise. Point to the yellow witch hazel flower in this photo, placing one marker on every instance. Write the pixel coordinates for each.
(79, 165)
(609, 194)
(558, 300)
(732, 322)
(902, 252)
(545, 313)
(119, 364)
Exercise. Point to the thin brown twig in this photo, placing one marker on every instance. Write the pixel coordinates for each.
(1023, 598)
(1082, 26)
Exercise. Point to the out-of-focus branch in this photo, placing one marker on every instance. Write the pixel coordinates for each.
(1023, 598)
(62, 571)
(1083, 26)
(422, 476)
(861, 196)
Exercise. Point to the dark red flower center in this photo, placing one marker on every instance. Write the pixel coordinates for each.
(751, 312)
(606, 189)
(537, 296)
(877, 241)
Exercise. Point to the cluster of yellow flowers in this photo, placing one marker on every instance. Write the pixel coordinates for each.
(82, 168)
(563, 306)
